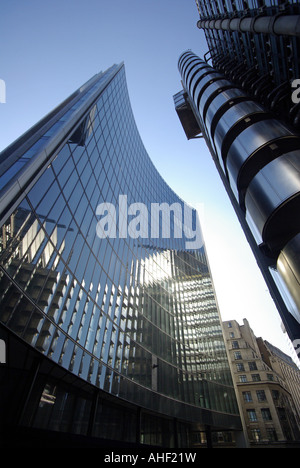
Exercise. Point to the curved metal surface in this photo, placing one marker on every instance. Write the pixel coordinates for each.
(197, 82)
(219, 104)
(273, 200)
(248, 142)
(191, 86)
(195, 77)
(230, 119)
(192, 64)
(213, 90)
(288, 266)
(205, 81)
(223, 97)
(188, 63)
(183, 60)
(288, 25)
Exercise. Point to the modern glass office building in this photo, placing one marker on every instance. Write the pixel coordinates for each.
(108, 313)
(240, 97)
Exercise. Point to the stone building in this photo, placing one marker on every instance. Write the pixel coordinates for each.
(266, 382)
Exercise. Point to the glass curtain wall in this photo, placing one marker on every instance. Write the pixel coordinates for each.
(133, 316)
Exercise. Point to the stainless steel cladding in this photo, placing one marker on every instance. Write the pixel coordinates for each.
(251, 150)
(259, 156)
(220, 102)
(289, 268)
(230, 123)
(272, 200)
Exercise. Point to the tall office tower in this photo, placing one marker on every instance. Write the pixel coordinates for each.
(242, 103)
(256, 45)
(107, 309)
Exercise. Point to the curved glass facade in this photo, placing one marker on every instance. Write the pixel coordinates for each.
(131, 314)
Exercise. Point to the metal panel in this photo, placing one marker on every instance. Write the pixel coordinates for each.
(203, 68)
(288, 266)
(184, 59)
(248, 142)
(198, 81)
(210, 93)
(189, 64)
(273, 199)
(192, 64)
(204, 82)
(225, 97)
(230, 118)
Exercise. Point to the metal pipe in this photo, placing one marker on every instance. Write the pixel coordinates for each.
(278, 25)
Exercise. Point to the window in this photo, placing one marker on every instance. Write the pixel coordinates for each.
(240, 367)
(237, 355)
(266, 414)
(256, 436)
(231, 334)
(252, 415)
(281, 414)
(275, 394)
(255, 377)
(270, 377)
(247, 397)
(229, 325)
(252, 365)
(261, 396)
(271, 434)
(235, 345)
(242, 378)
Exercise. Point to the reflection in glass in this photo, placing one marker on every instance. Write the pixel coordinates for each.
(129, 316)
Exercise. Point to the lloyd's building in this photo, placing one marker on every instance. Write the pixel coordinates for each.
(107, 308)
(240, 98)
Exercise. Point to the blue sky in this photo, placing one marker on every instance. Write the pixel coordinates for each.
(50, 48)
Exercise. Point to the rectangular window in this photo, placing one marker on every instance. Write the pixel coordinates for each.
(281, 414)
(261, 396)
(240, 367)
(271, 434)
(266, 414)
(256, 436)
(243, 378)
(252, 415)
(235, 345)
(252, 365)
(237, 355)
(255, 377)
(247, 397)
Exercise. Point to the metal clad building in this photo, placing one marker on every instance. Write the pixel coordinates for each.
(242, 96)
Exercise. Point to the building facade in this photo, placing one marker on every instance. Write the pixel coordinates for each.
(239, 97)
(256, 44)
(283, 365)
(109, 328)
(266, 394)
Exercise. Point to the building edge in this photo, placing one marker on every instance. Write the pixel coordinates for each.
(209, 97)
(57, 130)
